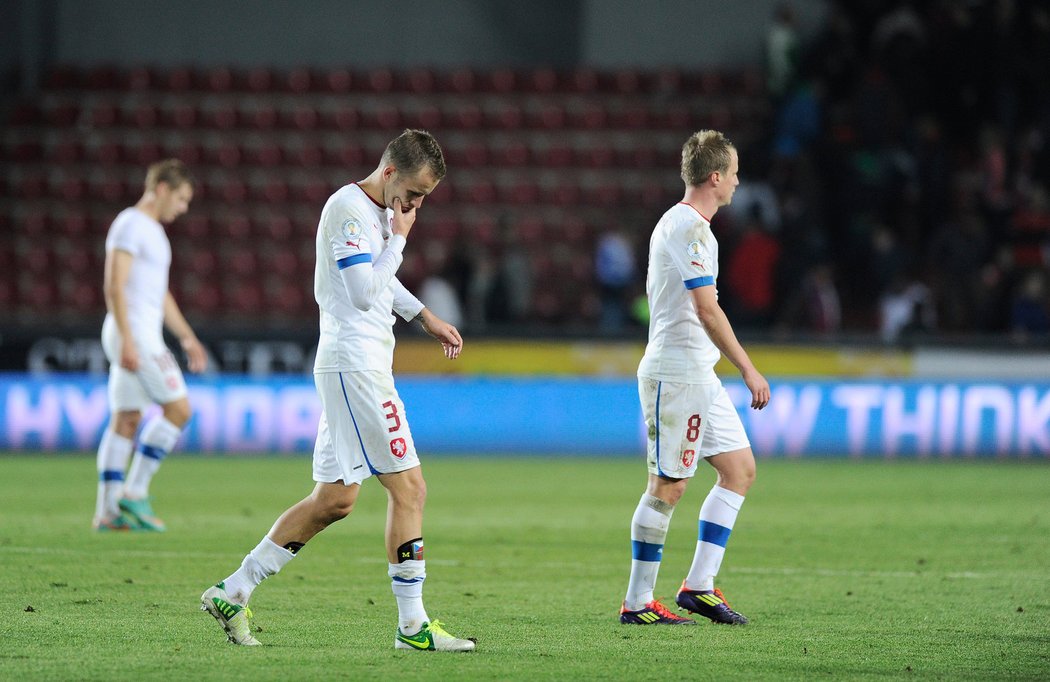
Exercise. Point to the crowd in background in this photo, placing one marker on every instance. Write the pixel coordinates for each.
(903, 184)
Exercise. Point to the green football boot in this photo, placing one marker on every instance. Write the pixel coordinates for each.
(142, 512)
(232, 617)
(432, 637)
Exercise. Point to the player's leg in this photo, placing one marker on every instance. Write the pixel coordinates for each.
(339, 467)
(114, 451)
(127, 399)
(163, 381)
(735, 465)
(406, 493)
(673, 435)
(326, 504)
(157, 440)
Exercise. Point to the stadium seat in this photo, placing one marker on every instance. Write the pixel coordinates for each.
(144, 116)
(260, 80)
(242, 297)
(34, 224)
(381, 80)
(503, 81)
(463, 81)
(299, 80)
(302, 117)
(180, 79)
(421, 81)
(344, 118)
(103, 77)
(182, 115)
(338, 81)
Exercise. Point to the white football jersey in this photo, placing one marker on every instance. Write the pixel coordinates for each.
(354, 232)
(144, 238)
(683, 255)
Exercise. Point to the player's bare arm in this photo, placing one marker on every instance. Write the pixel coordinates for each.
(175, 321)
(447, 334)
(115, 279)
(717, 326)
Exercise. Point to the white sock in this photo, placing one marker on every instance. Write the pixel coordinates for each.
(717, 516)
(113, 453)
(157, 440)
(259, 564)
(649, 525)
(406, 582)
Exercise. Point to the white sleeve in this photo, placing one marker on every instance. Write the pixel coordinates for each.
(689, 246)
(405, 304)
(365, 280)
(123, 236)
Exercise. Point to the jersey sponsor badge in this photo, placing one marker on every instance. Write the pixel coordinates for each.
(698, 258)
(351, 232)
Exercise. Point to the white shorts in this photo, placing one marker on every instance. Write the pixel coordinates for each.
(695, 421)
(158, 379)
(363, 428)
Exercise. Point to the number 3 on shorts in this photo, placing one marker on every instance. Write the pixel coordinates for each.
(392, 416)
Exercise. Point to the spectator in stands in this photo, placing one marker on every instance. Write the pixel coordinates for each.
(783, 52)
(906, 310)
(1030, 311)
(143, 371)
(614, 269)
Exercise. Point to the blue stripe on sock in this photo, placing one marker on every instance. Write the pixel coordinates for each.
(152, 451)
(714, 533)
(111, 475)
(408, 581)
(646, 551)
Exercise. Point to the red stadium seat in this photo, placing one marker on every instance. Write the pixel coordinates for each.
(463, 81)
(421, 81)
(299, 80)
(339, 81)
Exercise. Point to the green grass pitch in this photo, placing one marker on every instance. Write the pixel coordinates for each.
(848, 570)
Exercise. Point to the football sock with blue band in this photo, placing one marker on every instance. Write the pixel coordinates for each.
(649, 525)
(717, 516)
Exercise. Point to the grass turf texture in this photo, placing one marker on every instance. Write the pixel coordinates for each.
(848, 570)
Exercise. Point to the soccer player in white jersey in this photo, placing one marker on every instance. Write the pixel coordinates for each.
(142, 369)
(363, 428)
(688, 413)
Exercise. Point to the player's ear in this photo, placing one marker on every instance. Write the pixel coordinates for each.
(388, 171)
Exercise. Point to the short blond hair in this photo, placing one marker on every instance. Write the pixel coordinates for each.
(413, 150)
(705, 152)
(171, 172)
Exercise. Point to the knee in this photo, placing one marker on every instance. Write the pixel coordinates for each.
(126, 424)
(740, 478)
(178, 412)
(411, 496)
(337, 509)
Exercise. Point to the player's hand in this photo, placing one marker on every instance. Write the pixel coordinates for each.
(403, 220)
(195, 354)
(759, 387)
(447, 334)
(129, 356)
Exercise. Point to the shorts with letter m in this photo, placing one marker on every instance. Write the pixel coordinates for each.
(686, 423)
(363, 429)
